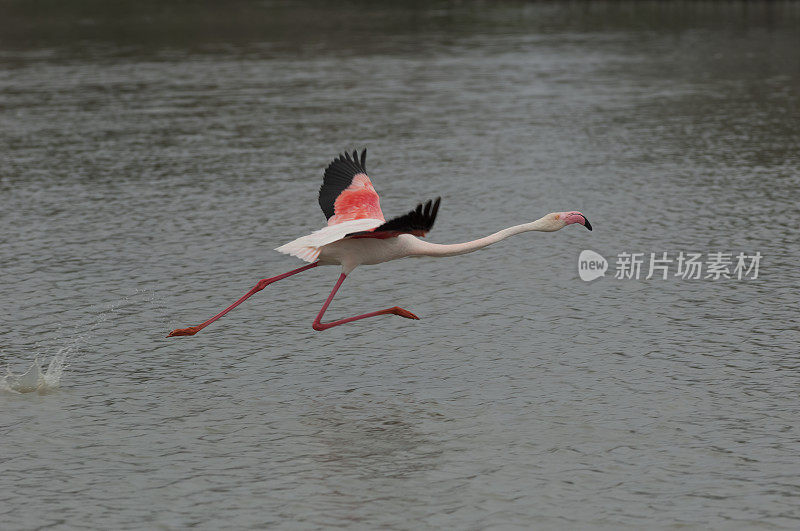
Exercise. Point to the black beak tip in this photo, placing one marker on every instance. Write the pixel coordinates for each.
(587, 224)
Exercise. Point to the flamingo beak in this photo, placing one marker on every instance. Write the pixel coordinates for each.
(586, 223)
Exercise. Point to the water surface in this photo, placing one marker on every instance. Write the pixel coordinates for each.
(153, 156)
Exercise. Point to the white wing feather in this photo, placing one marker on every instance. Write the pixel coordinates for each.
(307, 247)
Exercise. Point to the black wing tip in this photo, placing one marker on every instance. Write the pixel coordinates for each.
(359, 161)
(432, 210)
(419, 220)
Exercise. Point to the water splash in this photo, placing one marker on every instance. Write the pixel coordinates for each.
(36, 379)
(77, 337)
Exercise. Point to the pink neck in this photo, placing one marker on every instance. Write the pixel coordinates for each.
(422, 248)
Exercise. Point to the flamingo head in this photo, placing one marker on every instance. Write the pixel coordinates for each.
(562, 219)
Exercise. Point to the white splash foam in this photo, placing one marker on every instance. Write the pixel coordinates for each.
(34, 379)
(52, 377)
(25, 382)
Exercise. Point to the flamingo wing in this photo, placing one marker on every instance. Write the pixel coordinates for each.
(347, 193)
(417, 222)
(308, 247)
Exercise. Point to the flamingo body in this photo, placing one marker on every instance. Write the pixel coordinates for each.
(353, 252)
(357, 234)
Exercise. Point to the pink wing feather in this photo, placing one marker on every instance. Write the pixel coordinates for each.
(357, 201)
(347, 193)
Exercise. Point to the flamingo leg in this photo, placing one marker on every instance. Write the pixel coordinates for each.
(263, 283)
(319, 326)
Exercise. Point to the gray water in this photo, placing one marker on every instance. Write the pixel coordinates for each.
(153, 156)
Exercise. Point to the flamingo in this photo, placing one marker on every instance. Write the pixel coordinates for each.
(358, 234)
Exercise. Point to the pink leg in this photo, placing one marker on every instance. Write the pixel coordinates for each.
(263, 283)
(318, 325)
